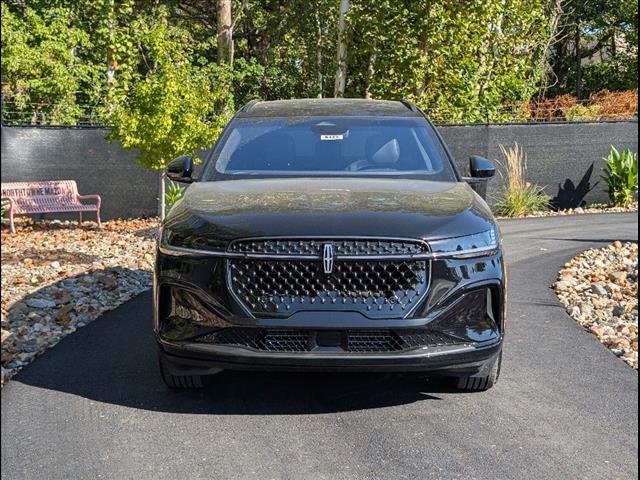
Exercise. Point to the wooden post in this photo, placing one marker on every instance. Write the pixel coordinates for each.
(341, 72)
(161, 200)
(225, 33)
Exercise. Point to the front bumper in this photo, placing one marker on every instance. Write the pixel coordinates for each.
(198, 359)
(465, 301)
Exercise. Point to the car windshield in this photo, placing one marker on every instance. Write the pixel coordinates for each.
(328, 146)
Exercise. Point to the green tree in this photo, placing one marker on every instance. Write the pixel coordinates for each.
(293, 43)
(461, 61)
(42, 69)
(85, 46)
(596, 48)
(178, 106)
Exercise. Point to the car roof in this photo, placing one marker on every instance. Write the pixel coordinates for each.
(352, 107)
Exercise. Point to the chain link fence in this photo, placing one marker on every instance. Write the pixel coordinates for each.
(559, 109)
(20, 114)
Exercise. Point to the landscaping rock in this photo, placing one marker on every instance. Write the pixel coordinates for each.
(586, 210)
(108, 281)
(599, 289)
(40, 303)
(6, 336)
(57, 277)
(564, 284)
(618, 277)
(63, 314)
(618, 311)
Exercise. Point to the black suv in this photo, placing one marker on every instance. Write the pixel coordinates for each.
(332, 235)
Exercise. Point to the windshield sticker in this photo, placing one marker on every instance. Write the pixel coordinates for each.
(331, 137)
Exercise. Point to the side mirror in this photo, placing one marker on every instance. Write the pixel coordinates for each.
(480, 167)
(181, 169)
(481, 171)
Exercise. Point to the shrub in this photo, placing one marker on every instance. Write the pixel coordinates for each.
(621, 175)
(615, 105)
(551, 109)
(581, 112)
(4, 208)
(174, 193)
(603, 105)
(519, 197)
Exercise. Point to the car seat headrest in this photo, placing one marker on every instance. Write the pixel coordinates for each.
(382, 150)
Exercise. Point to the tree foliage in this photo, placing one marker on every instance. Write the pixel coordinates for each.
(42, 71)
(596, 48)
(179, 104)
(461, 61)
(64, 60)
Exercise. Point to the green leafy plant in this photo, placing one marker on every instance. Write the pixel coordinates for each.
(580, 112)
(519, 197)
(621, 175)
(41, 74)
(174, 193)
(178, 107)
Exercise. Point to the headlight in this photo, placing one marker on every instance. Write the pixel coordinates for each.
(188, 244)
(469, 246)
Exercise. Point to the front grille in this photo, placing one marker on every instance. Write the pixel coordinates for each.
(342, 247)
(368, 341)
(377, 287)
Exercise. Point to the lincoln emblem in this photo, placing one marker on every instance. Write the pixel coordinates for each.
(327, 258)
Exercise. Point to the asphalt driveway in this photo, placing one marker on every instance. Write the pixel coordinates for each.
(565, 407)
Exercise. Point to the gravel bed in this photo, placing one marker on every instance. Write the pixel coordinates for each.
(581, 211)
(599, 289)
(57, 277)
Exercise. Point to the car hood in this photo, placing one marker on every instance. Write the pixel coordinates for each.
(320, 207)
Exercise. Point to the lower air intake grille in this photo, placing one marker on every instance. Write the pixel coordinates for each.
(396, 341)
(370, 341)
(266, 340)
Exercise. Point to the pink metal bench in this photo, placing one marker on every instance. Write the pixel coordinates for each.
(28, 198)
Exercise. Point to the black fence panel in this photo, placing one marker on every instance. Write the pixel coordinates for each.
(560, 156)
(83, 155)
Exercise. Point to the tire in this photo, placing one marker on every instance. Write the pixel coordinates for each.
(480, 383)
(181, 381)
